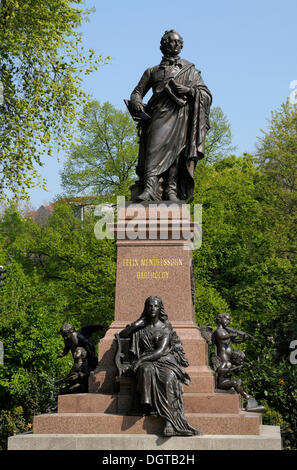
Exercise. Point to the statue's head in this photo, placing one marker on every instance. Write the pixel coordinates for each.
(80, 354)
(171, 43)
(66, 330)
(237, 357)
(154, 306)
(223, 319)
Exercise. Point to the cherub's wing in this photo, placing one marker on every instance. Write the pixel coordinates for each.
(207, 333)
(88, 330)
(216, 361)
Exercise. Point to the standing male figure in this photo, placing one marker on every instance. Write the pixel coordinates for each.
(172, 138)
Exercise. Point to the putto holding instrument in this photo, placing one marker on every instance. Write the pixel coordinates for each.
(227, 361)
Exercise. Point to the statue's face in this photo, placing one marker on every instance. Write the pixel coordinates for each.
(67, 332)
(237, 360)
(174, 44)
(152, 309)
(80, 353)
(225, 320)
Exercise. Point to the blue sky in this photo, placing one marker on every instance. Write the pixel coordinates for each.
(246, 51)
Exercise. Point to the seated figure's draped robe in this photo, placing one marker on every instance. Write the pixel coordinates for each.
(160, 382)
(174, 134)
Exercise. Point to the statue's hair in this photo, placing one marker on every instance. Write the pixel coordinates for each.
(237, 354)
(164, 40)
(163, 317)
(66, 327)
(83, 352)
(220, 316)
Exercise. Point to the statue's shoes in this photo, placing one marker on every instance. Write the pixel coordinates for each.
(145, 196)
(188, 432)
(168, 430)
(172, 197)
(256, 409)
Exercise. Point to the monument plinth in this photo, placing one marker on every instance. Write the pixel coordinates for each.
(104, 411)
(141, 264)
(161, 266)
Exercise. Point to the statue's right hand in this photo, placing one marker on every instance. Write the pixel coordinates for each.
(137, 107)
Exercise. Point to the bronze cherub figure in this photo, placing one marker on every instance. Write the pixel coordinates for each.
(84, 356)
(227, 361)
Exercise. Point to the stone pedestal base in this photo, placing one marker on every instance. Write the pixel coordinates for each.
(268, 439)
(99, 423)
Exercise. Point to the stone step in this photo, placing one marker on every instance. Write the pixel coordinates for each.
(195, 403)
(101, 403)
(202, 380)
(97, 423)
(268, 439)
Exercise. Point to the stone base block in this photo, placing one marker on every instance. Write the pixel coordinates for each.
(268, 439)
(99, 423)
(100, 403)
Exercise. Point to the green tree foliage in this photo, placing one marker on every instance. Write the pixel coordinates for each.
(218, 142)
(104, 161)
(226, 191)
(41, 63)
(57, 272)
(247, 263)
(277, 152)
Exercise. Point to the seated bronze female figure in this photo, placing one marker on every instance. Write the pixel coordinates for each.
(158, 361)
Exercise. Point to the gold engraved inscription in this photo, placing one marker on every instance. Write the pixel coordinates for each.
(152, 262)
(130, 262)
(152, 274)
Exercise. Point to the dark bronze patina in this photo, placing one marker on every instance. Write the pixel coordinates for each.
(227, 361)
(157, 361)
(172, 126)
(84, 357)
(2, 277)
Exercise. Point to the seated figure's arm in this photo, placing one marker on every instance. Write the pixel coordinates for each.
(65, 351)
(129, 330)
(155, 355)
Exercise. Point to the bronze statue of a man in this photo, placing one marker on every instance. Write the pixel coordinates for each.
(173, 124)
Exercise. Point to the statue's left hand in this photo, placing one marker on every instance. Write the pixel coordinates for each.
(135, 365)
(182, 89)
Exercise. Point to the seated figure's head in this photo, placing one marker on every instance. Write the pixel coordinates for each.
(171, 43)
(154, 306)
